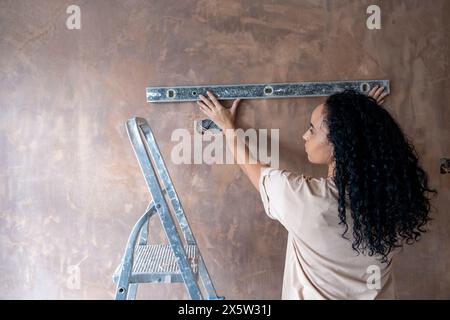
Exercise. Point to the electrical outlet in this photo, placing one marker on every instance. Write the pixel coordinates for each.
(445, 165)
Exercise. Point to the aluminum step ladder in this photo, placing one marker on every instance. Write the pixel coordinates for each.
(179, 261)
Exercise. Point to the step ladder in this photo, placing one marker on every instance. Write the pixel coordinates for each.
(179, 261)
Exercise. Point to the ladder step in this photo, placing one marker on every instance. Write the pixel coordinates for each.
(157, 264)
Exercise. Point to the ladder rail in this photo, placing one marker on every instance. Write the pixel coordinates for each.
(206, 280)
(167, 181)
(162, 207)
(128, 257)
(176, 203)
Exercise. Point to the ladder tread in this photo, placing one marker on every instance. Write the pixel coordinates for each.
(160, 259)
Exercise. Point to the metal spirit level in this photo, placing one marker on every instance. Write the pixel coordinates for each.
(258, 91)
(261, 91)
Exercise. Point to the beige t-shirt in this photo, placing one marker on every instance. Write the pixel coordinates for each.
(320, 264)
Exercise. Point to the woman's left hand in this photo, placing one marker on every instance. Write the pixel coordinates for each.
(378, 94)
(215, 111)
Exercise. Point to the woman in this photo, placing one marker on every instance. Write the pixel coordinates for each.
(344, 230)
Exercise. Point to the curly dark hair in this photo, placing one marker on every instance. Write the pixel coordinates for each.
(377, 170)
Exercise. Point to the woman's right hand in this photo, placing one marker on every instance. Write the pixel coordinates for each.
(377, 94)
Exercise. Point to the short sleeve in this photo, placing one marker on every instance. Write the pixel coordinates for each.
(286, 196)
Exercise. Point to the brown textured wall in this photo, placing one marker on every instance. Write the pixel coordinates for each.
(71, 189)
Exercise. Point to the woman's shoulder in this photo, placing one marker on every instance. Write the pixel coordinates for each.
(298, 180)
(321, 181)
